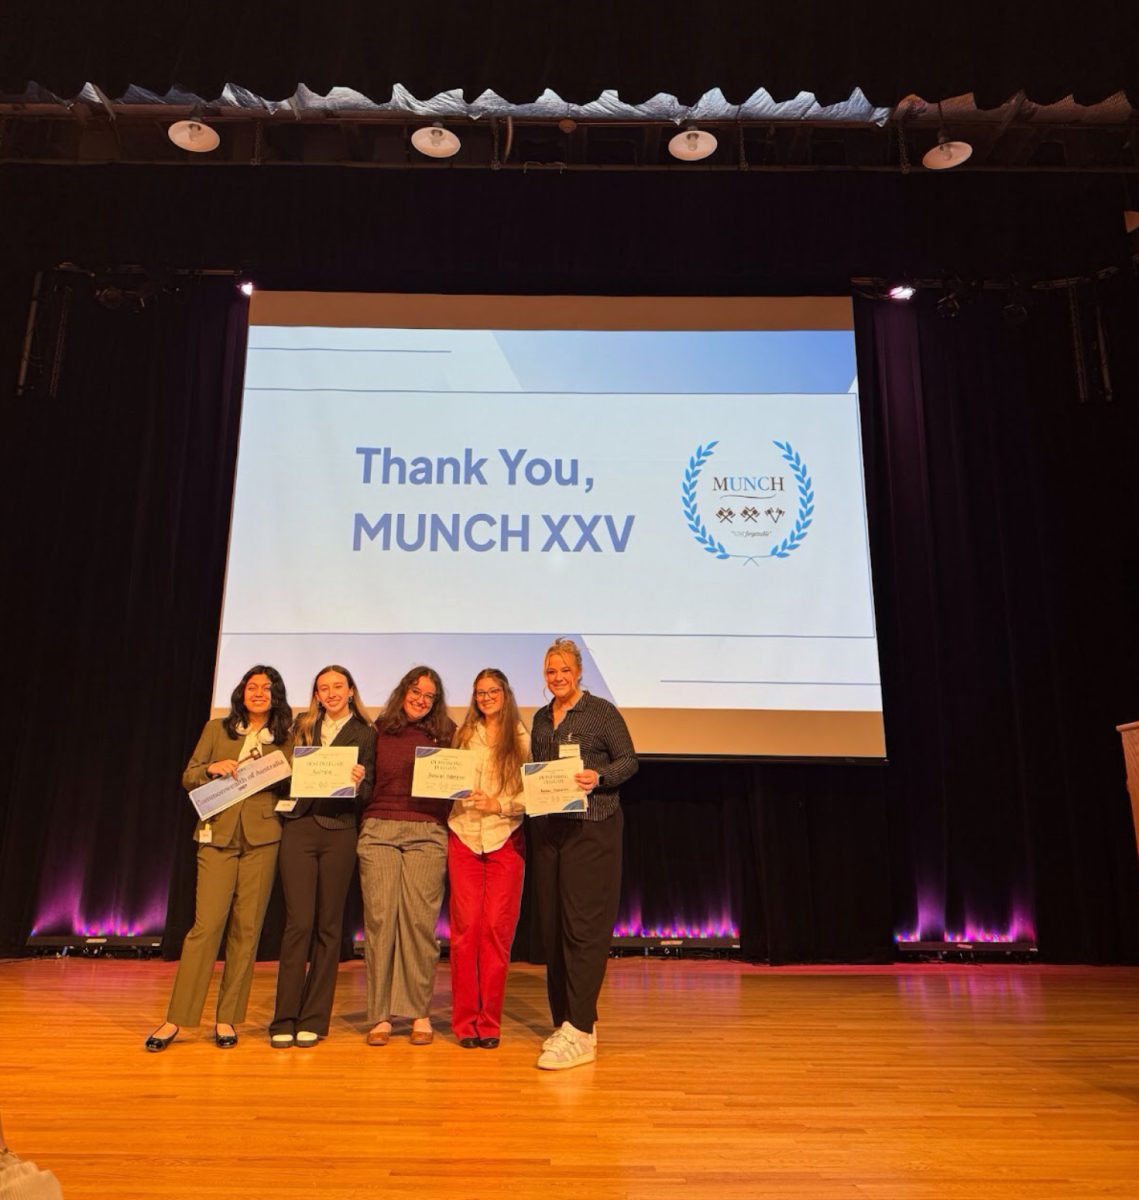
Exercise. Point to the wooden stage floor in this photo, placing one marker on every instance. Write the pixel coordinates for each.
(714, 1079)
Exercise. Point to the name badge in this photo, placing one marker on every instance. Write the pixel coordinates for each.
(569, 750)
(285, 806)
(205, 835)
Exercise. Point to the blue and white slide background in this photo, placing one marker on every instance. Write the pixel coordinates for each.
(637, 490)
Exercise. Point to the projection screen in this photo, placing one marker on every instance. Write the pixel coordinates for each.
(675, 483)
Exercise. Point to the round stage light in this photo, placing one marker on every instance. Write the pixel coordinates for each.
(945, 155)
(435, 141)
(691, 145)
(194, 136)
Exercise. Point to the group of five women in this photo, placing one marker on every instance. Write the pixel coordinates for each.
(407, 847)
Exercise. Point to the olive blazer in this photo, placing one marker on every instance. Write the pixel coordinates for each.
(255, 814)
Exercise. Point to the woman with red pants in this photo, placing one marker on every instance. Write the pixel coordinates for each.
(486, 861)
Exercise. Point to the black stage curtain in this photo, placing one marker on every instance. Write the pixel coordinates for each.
(640, 48)
(120, 489)
(1007, 576)
(1006, 571)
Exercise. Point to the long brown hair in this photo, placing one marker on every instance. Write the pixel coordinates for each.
(507, 754)
(305, 722)
(437, 723)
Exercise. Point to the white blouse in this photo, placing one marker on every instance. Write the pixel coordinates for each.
(484, 833)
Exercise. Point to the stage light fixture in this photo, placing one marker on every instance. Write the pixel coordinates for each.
(947, 153)
(1015, 309)
(436, 142)
(901, 291)
(245, 288)
(1014, 312)
(691, 145)
(127, 293)
(955, 293)
(193, 135)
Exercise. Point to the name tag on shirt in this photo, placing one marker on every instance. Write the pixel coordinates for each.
(569, 750)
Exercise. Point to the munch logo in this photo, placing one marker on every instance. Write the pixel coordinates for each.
(751, 511)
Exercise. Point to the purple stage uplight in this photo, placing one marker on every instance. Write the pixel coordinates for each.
(724, 929)
(62, 913)
(1020, 929)
(716, 922)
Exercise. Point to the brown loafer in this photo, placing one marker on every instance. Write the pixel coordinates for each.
(422, 1037)
(378, 1037)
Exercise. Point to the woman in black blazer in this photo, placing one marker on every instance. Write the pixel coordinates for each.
(318, 856)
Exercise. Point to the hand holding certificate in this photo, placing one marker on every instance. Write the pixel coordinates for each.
(253, 775)
(442, 774)
(550, 787)
(323, 771)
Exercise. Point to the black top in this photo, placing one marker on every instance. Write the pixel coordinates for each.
(342, 812)
(606, 747)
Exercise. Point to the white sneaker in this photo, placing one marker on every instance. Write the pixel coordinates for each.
(553, 1036)
(568, 1047)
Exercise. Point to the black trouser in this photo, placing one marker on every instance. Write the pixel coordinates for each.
(316, 867)
(576, 869)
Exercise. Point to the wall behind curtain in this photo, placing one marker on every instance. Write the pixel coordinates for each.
(1005, 567)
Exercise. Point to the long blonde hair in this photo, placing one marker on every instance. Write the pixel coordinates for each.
(508, 754)
(306, 721)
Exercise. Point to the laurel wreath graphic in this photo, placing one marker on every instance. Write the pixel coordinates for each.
(806, 501)
(803, 517)
(688, 501)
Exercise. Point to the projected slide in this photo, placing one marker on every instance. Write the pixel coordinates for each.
(687, 504)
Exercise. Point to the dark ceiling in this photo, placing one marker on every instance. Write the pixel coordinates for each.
(1046, 86)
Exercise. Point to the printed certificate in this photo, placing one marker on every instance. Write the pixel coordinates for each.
(442, 774)
(549, 787)
(323, 771)
(252, 776)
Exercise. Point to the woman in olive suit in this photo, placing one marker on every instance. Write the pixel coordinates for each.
(237, 859)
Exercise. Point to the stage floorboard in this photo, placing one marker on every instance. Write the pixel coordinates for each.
(714, 1079)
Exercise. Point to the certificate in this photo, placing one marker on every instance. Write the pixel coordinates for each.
(550, 787)
(253, 775)
(323, 771)
(442, 774)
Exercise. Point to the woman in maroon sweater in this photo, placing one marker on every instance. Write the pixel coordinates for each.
(403, 861)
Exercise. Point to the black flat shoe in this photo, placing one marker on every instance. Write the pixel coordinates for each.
(489, 1043)
(470, 1043)
(225, 1041)
(156, 1044)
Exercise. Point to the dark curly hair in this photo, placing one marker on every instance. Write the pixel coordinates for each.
(280, 719)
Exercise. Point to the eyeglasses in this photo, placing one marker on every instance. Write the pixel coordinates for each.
(430, 697)
(488, 694)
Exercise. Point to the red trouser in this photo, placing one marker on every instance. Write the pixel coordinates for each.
(486, 893)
